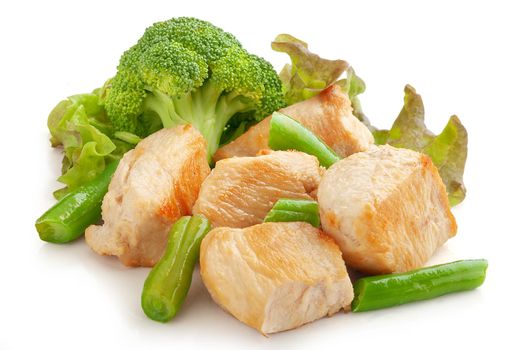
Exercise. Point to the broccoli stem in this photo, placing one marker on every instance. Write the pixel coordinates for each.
(161, 104)
(208, 109)
(127, 137)
(226, 108)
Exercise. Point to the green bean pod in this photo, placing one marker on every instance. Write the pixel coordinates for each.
(286, 133)
(167, 284)
(71, 215)
(377, 292)
(286, 210)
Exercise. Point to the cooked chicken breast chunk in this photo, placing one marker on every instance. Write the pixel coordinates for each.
(275, 276)
(240, 191)
(328, 115)
(386, 208)
(154, 185)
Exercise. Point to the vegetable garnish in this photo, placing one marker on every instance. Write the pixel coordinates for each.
(308, 74)
(167, 284)
(81, 127)
(188, 71)
(287, 210)
(181, 71)
(448, 150)
(286, 133)
(377, 292)
(69, 217)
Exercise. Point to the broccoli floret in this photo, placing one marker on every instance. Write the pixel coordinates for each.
(187, 71)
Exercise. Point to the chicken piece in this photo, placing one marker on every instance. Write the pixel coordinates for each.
(386, 208)
(275, 276)
(154, 185)
(328, 115)
(240, 191)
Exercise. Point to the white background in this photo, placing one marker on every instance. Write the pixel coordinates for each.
(464, 58)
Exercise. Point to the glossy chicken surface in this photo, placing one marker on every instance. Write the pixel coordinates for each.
(240, 191)
(275, 276)
(386, 208)
(155, 184)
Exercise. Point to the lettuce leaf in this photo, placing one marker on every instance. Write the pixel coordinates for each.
(355, 86)
(448, 150)
(308, 74)
(79, 124)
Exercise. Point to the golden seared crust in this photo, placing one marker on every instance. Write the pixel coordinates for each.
(396, 211)
(328, 115)
(154, 185)
(185, 192)
(275, 276)
(240, 191)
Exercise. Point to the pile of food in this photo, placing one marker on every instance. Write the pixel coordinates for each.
(197, 150)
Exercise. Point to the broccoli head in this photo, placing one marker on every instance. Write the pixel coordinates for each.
(187, 71)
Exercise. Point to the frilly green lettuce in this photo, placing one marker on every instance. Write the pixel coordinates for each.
(79, 124)
(355, 86)
(448, 150)
(308, 74)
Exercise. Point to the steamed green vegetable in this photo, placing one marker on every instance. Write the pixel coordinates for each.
(285, 133)
(287, 210)
(185, 70)
(70, 216)
(308, 74)
(181, 71)
(377, 292)
(167, 284)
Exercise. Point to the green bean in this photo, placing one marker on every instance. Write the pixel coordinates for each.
(286, 133)
(70, 216)
(167, 285)
(383, 291)
(286, 210)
